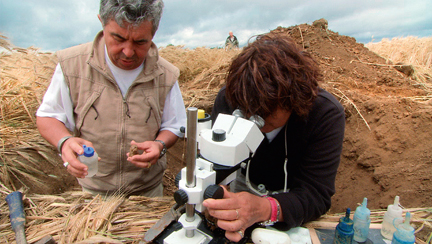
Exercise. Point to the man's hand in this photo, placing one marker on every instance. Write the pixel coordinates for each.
(73, 147)
(237, 211)
(151, 151)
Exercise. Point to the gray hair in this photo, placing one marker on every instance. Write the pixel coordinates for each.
(131, 11)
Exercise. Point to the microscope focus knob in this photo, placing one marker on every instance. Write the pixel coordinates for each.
(219, 135)
(181, 197)
(214, 191)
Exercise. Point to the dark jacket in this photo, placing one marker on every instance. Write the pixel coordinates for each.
(232, 43)
(314, 147)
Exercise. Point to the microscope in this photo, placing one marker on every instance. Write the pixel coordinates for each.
(222, 149)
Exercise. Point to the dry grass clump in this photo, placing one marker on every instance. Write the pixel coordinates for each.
(413, 51)
(202, 72)
(24, 77)
(77, 217)
(4, 43)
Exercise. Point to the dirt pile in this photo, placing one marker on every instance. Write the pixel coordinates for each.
(387, 149)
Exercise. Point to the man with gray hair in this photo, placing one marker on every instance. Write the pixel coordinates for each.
(113, 94)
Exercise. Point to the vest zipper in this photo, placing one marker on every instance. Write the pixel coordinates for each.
(123, 140)
(127, 108)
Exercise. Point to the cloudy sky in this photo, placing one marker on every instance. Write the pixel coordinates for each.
(56, 24)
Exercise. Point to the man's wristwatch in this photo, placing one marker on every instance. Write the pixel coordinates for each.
(164, 149)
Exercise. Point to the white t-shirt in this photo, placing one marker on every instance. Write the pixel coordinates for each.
(57, 102)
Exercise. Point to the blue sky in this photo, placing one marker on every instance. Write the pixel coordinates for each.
(56, 24)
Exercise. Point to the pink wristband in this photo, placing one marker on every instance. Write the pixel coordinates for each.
(274, 209)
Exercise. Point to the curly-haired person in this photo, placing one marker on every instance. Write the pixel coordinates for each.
(297, 161)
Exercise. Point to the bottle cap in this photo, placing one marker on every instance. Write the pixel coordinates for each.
(345, 223)
(405, 226)
(404, 231)
(201, 113)
(394, 208)
(362, 211)
(88, 151)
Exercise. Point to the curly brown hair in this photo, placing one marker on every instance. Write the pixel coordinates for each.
(273, 72)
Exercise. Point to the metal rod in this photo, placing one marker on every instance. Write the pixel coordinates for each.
(191, 155)
(191, 146)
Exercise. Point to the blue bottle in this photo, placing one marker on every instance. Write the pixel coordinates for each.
(404, 233)
(344, 230)
(361, 222)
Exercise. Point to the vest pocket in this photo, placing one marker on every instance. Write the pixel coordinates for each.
(89, 104)
(154, 111)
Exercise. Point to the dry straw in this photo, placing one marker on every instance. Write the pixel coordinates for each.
(202, 72)
(77, 217)
(410, 50)
(24, 76)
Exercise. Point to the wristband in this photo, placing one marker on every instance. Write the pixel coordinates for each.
(61, 142)
(275, 212)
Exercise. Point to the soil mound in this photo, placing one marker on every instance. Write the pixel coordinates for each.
(387, 149)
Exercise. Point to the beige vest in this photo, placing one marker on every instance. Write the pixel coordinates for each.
(110, 121)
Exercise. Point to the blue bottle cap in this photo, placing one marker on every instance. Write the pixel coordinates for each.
(404, 231)
(345, 223)
(88, 151)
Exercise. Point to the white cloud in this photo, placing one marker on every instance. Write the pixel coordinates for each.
(52, 25)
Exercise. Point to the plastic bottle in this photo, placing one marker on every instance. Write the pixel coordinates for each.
(393, 211)
(361, 222)
(404, 233)
(89, 158)
(344, 230)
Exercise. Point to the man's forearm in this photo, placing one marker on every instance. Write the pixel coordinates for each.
(168, 137)
(51, 129)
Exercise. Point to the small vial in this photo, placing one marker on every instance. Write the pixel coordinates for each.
(404, 233)
(344, 232)
(89, 158)
(393, 211)
(361, 222)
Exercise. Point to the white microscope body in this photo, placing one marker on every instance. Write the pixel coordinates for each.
(231, 141)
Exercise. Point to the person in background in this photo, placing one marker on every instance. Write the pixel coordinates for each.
(231, 42)
(297, 161)
(113, 93)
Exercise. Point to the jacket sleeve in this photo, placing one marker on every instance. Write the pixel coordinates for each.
(314, 184)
